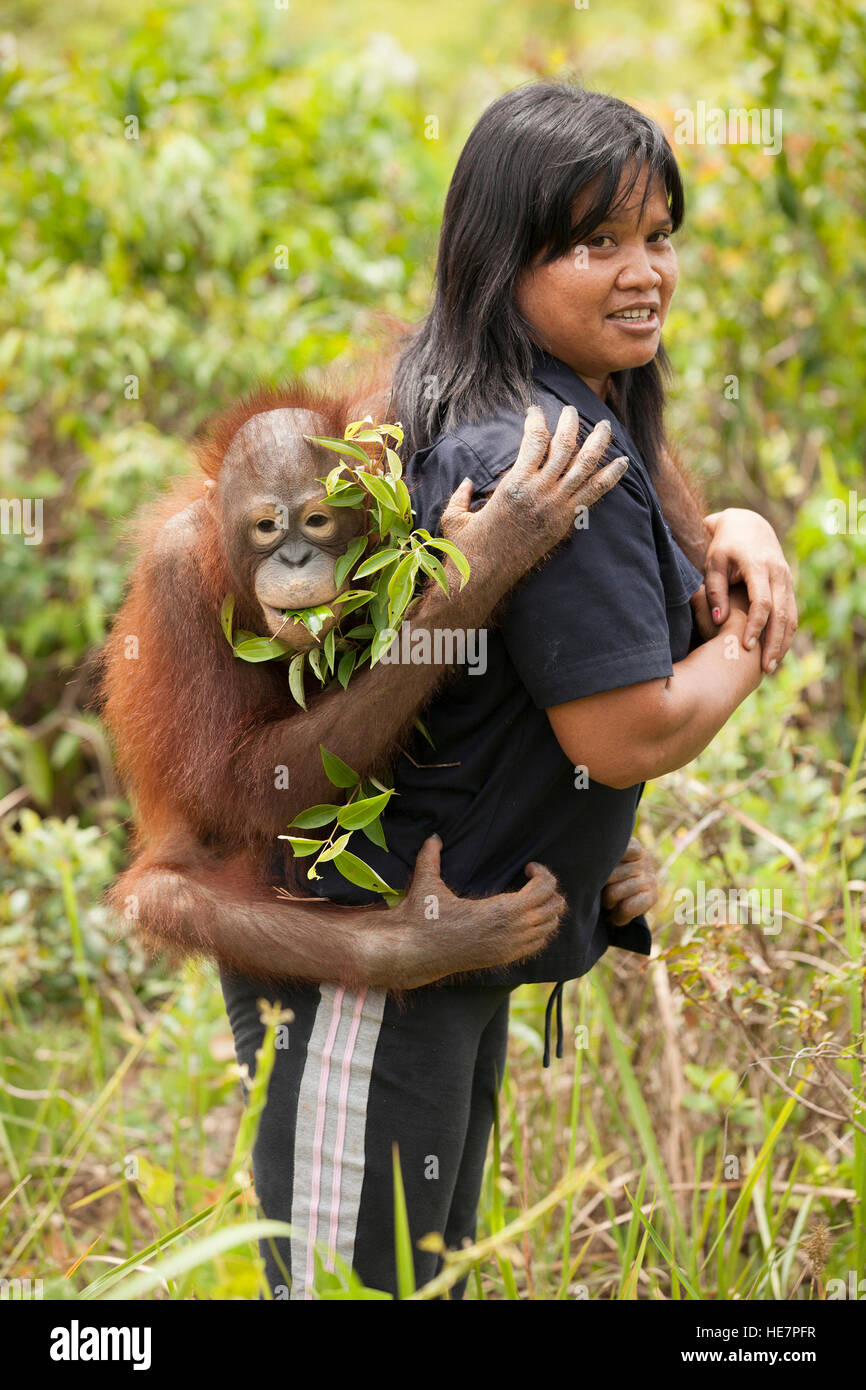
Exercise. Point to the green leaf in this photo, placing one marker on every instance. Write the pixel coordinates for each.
(403, 498)
(350, 604)
(383, 490)
(387, 522)
(261, 649)
(64, 749)
(393, 899)
(394, 463)
(362, 632)
(456, 555)
(345, 562)
(36, 771)
(338, 772)
(324, 1279)
(424, 731)
(360, 813)
(381, 643)
(374, 832)
(330, 649)
(336, 848)
(430, 565)
(315, 659)
(313, 619)
(379, 601)
(226, 615)
(296, 678)
(314, 816)
(401, 588)
(404, 1256)
(346, 495)
(340, 446)
(301, 848)
(377, 561)
(357, 872)
(346, 667)
(403, 577)
(334, 477)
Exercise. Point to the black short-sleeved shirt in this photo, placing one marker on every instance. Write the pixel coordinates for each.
(610, 608)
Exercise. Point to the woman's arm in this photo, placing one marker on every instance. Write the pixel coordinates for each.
(641, 731)
(731, 547)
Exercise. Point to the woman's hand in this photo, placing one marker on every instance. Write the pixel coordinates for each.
(744, 549)
(738, 602)
(632, 887)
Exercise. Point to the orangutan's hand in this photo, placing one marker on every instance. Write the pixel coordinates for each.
(632, 887)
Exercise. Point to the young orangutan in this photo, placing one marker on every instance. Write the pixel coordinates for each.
(201, 737)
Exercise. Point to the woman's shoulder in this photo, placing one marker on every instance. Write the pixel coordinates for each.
(483, 451)
(478, 451)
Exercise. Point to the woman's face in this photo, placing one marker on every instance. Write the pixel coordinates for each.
(579, 305)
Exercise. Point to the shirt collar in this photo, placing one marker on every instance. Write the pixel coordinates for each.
(568, 387)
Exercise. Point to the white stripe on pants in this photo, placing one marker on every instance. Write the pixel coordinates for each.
(330, 1130)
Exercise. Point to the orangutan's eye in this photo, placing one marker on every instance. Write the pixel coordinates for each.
(320, 526)
(266, 530)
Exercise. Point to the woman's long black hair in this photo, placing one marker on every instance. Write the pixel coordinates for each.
(511, 198)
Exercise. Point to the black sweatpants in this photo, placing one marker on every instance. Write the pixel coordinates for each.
(361, 1073)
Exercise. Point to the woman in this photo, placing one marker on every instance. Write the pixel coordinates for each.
(554, 277)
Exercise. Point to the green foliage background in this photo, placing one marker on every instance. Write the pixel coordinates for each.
(142, 287)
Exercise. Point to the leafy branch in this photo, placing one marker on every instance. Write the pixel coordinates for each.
(362, 811)
(391, 556)
(388, 553)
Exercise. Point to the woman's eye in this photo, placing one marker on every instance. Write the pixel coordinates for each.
(602, 236)
(666, 236)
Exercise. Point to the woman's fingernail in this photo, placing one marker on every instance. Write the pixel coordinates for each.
(717, 615)
(749, 644)
(772, 666)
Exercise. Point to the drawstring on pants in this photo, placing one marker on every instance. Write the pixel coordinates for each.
(555, 998)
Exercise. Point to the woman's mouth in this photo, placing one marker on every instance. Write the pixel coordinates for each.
(640, 321)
